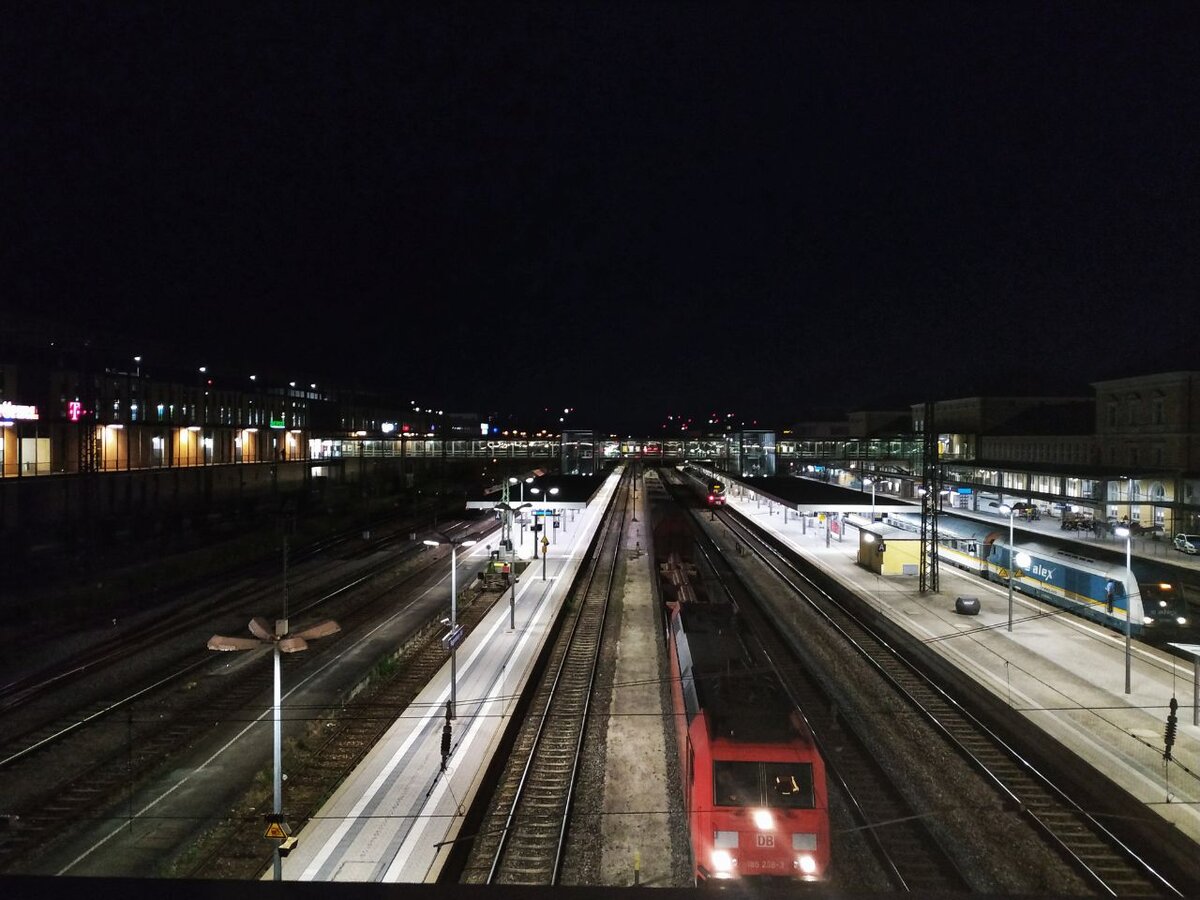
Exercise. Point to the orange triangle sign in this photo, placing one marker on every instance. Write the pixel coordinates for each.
(275, 830)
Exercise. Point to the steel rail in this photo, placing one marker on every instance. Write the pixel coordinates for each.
(1086, 843)
(566, 646)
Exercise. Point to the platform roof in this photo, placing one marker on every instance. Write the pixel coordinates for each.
(574, 492)
(808, 496)
(882, 530)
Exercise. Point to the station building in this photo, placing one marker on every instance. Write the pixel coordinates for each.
(1129, 452)
(164, 433)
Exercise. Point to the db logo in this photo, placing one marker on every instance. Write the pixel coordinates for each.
(765, 840)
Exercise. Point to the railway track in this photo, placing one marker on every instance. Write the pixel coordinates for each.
(20, 690)
(27, 738)
(234, 848)
(87, 763)
(521, 839)
(1091, 849)
(908, 853)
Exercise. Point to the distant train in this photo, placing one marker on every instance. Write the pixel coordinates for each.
(753, 781)
(716, 493)
(1089, 587)
(713, 488)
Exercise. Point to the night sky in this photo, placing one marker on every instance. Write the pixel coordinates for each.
(631, 209)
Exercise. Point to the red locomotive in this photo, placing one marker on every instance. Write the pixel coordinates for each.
(753, 781)
(716, 493)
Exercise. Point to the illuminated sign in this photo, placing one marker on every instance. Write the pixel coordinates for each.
(74, 410)
(278, 423)
(17, 411)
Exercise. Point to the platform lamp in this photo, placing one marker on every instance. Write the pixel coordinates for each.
(453, 636)
(1015, 558)
(1127, 533)
(549, 493)
(512, 603)
(1007, 510)
(522, 482)
(282, 642)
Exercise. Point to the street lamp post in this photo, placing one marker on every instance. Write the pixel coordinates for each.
(1127, 533)
(1006, 509)
(549, 492)
(281, 642)
(512, 603)
(452, 638)
(871, 482)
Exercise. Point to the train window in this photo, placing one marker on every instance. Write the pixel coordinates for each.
(736, 784)
(789, 785)
(783, 785)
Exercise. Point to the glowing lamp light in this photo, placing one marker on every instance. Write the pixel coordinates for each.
(193, 428)
(763, 820)
(807, 865)
(722, 863)
(360, 434)
(1022, 559)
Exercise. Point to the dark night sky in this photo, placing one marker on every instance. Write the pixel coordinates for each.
(629, 209)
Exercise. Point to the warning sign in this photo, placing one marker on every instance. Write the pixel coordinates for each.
(275, 830)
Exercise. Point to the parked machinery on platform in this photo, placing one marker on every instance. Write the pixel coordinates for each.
(1089, 587)
(753, 781)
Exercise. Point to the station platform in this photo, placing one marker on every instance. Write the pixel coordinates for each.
(395, 817)
(1066, 675)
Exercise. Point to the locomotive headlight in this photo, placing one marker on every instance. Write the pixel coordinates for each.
(722, 862)
(806, 864)
(1182, 620)
(763, 820)
(1162, 604)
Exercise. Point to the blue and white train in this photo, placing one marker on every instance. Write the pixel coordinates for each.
(1088, 587)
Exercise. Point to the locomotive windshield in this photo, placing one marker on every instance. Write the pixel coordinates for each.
(782, 785)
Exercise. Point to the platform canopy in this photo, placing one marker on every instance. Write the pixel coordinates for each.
(810, 497)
